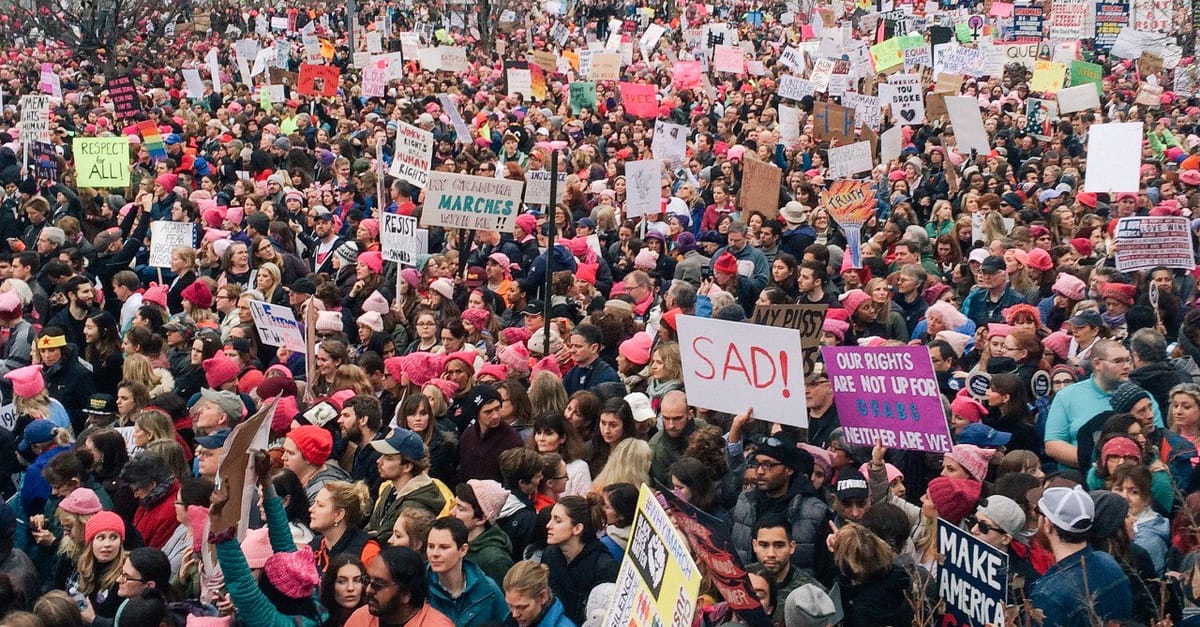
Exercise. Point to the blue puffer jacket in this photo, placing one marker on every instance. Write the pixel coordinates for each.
(554, 616)
(806, 511)
(481, 601)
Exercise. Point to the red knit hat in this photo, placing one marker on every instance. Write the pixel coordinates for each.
(198, 294)
(101, 522)
(314, 443)
(1120, 292)
(219, 370)
(954, 498)
(726, 263)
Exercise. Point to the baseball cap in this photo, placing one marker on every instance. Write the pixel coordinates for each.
(978, 255)
(992, 264)
(984, 436)
(402, 442)
(214, 440)
(323, 214)
(640, 404)
(534, 308)
(303, 285)
(38, 432)
(1086, 319)
(101, 404)
(851, 486)
(1069, 509)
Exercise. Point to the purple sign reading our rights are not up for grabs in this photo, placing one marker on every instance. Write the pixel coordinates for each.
(888, 394)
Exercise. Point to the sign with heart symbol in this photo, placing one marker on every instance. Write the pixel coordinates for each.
(908, 99)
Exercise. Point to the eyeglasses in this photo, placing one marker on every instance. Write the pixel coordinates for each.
(378, 584)
(124, 577)
(767, 466)
(1120, 361)
(984, 528)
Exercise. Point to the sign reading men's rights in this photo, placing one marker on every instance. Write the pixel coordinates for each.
(35, 119)
(731, 366)
(460, 201)
(101, 161)
(414, 152)
(165, 236)
(1145, 242)
(972, 579)
(399, 238)
(277, 326)
(888, 393)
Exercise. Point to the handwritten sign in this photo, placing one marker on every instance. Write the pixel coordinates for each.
(731, 366)
(887, 393)
(760, 188)
(537, 187)
(794, 88)
(848, 160)
(583, 96)
(101, 161)
(643, 184)
(165, 236)
(277, 326)
(413, 155)
(400, 238)
(1144, 242)
(639, 99)
(973, 577)
(471, 202)
(908, 99)
(35, 119)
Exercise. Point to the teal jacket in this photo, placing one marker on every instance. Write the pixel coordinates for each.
(252, 605)
(481, 601)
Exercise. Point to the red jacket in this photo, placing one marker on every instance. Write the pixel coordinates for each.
(157, 523)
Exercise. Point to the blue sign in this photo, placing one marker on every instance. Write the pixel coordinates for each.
(972, 579)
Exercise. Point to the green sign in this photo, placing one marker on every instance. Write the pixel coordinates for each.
(101, 161)
(583, 94)
(1083, 73)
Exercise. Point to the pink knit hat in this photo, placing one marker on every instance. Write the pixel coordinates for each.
(1059, 343)
(156, 294)
(377, 303)
(515, 335)
(285, 412)
(498, 372)
(854, 299)
(313, 442)
(101, 522)
(477, 317)
(968, 408)
(294, 574)
(954, 498)
(373, 260)
(547, 363)
(490, 495)
(256, 546)
(219, 370)
(27, 382)
(329, 321)
(516, 358)
(1069, 286)
(81, 502)
(892, 472)
(446, 386)
(835, 327)
(972, 458)
(637, 348)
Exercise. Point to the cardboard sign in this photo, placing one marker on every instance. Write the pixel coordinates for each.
(548, 61)
(101, 161)
(460, 201)
(643, 186)
(235, 469)
(583, 95)
(760, 188)
(1145, 242)
(374, 77)
(537, 187)
(606, 66)
(1111, 165)
(399, 238)
(318, 80)
(732, 366)
(832, 122)
(659, 581)
(277, 326)
(1149, 63)
(972, 577)
(124, 96)
(413, 155)
(35, 118)
(846, 161)
(888, 393)
(969, 132)
(908, 99)
(639, 99)
(165, 236)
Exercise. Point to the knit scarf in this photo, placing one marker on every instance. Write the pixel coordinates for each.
(620, 535)
(1113, 322)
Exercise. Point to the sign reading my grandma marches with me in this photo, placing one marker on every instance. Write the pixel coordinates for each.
(460, 201)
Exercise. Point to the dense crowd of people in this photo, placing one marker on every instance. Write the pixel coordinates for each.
(465, 440)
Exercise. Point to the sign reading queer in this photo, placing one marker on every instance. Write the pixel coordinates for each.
(1151, 241)
(732, 366)
(101, 161)
(460, 201)
(973, 578)
(165, 236)
(887, 393)
(277, 326)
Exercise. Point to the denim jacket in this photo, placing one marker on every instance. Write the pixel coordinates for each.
(1083, 582)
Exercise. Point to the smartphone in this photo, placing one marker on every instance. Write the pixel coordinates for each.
(705, 273)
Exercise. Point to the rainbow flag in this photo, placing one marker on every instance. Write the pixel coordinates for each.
(153, 140)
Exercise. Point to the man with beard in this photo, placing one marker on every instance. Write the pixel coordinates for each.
(359, 422)
(396, 590)
(773, 548)
(81, 304)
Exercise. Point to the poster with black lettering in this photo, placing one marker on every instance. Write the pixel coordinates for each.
(908, 99)
(972, 579)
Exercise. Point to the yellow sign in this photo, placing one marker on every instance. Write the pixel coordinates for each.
(659, 581)
(1048, 76)
(101, 161)
(887, 54)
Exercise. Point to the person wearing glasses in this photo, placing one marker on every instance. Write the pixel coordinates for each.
(1078, 403)
(144, 570)
(396, 589)
(1000, 521)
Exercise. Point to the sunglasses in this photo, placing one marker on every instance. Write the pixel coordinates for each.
(984, 528)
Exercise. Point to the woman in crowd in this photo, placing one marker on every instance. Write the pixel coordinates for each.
(553, 433)
(576, 558)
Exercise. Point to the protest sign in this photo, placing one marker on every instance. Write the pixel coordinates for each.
(731, 366)
(277, 326)
(375, 77)
(318, 80)
(124, 96)
(520, 81)
(606, 66)
(195, 84)
(1145, 242)
(685, 75)
(537, 187)
(153, 140)
(1111, 17)
(659, 581)
(886, 55)
(832, 121)
(1084, 73)
(1152, 15)
(712, 545)
(670, 142)
(546, 60)
(452, 59)
(399, 239)
(235, 470)
(908, 99)
(1039, 117)
(35, 118)
(583, 95)
(807, 319)
(165, 236)
(45, 161)
(794, 88)
(729, 59)
(639, 99)
(643, 186)
(413, 155)
(889, 393)
(1078, 98)
(101, 161)
(1027, 22)
(868, 110)
(1047, 76)
(471, 202)
(848, 160)
(972, 577)
(969, 132)
(1111, 165)
(1067, 19)
(760, 188)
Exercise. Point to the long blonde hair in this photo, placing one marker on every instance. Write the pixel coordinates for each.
(138, 367)
(36, 406)
(547, 394)
(629, 462)
(87, 567)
